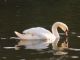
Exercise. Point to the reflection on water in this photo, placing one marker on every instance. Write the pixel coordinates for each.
(8, 52)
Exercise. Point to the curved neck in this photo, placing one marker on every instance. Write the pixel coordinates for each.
(55, 31)
(56, 34)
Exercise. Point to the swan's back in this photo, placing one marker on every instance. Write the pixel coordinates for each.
(40, 33)
(36, 30)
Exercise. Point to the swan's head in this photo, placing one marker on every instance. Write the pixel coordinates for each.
(61, 25)
(64, 27)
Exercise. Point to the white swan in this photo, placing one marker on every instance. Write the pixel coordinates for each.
(40, 38)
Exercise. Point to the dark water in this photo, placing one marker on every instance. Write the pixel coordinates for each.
(22, 14)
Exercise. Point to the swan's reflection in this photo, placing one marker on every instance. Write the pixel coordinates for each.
(57, 52)
(60, 45)
(33, 44)
(52, 54)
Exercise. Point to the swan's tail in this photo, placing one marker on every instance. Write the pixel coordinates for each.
(21, 36)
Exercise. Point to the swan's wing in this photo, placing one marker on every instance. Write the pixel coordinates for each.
(41, 33)
(31, 36)
(37, 33)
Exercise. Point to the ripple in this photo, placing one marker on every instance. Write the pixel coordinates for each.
(61, 53)
(14, 38)
(74, 56)
(3, 38)
(73, 49)
(22, 59)
(78, 36)
(4, 57)
(73, 33)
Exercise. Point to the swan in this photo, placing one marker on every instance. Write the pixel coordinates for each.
(39, 37)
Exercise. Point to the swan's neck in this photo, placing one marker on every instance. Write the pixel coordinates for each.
(56, 34)
(55, 31)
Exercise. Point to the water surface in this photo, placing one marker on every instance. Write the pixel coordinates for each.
(23, 14)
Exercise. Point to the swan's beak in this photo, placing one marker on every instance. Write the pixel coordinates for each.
(21, 36)
(66, 32)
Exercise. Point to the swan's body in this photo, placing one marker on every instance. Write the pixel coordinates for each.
(40, 38)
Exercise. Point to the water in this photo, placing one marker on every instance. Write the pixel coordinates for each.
(24, 14)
